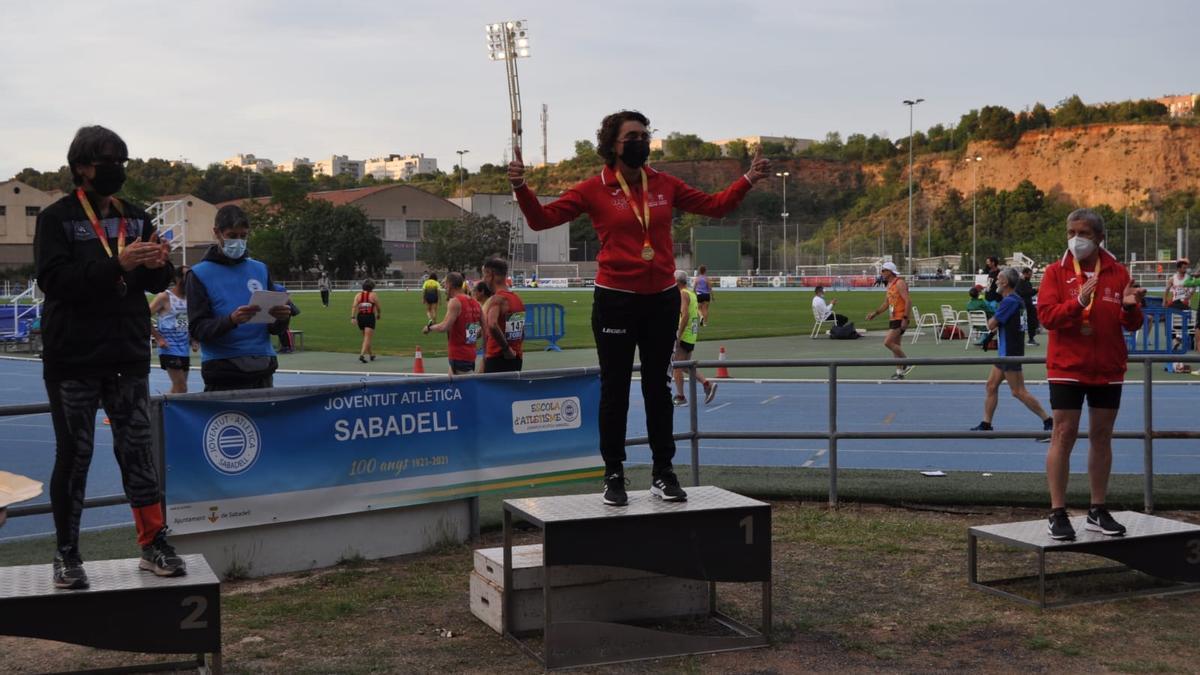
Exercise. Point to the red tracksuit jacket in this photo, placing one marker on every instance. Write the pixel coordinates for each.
(1075, 358)
(620, 259)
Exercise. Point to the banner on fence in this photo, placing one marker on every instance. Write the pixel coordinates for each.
(553, 282)
(238, 464)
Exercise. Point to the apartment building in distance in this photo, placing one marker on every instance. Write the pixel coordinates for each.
(1181, 105)
(249, 162)
(336, 165)
(20, 205)
(290, 165)
(399, 167)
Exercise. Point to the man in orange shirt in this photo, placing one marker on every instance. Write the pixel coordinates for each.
(897, 299)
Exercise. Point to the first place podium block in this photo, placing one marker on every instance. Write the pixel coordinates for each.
(714, 536)
(1158, 547)
(125, 609)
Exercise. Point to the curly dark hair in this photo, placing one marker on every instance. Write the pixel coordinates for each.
(92, 144)
(606, 135)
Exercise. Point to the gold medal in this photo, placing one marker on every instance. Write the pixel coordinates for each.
(1086, 329)
(647, 253)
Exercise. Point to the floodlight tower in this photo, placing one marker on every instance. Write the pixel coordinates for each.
(507, 42)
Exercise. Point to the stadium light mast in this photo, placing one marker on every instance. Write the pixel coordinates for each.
(974, 197)
(507, 42)
(784, 175)
(461, 172)
(911, 104)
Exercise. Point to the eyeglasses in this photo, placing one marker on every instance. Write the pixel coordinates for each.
(109, 160)
(635, 136)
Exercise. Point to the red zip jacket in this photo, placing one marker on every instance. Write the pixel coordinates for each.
(620, 259)
(1075, 358)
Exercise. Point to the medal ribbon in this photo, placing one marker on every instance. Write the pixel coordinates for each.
(1087, 311)
(644, 222)
(100, 233)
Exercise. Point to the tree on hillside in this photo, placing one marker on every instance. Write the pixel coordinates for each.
(585, 151)
(1072, 111)
(997, 123)
(337, 239)
(462, 245)
(689, 146)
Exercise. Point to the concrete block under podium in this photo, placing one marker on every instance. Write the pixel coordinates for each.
(300, 545)
(1165, 549)
(714, 536)
(581, 592)
(125, 609)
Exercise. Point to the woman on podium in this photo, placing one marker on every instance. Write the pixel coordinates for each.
(636, 304)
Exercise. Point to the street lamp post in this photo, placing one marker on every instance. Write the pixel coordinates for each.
(460, 172)
(784, 175)
(758, 267)
(911, 104)
(974, 210)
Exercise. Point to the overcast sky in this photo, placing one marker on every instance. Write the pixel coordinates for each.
(206, 80)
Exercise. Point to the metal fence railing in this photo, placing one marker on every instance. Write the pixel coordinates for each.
(833, 434)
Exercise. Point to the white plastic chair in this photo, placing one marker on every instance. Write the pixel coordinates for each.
(978, 322)
(819, 321)
(950, 317)
(925, 321)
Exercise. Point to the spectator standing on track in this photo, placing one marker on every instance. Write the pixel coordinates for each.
(1178, 294)
(364, 313)
(703, 293)
(431, 293)
(96, 258)
(462, 326)
(636, 303)
(170, 332)
(686, 337)
(504, 321)
(824, 310)
(897, 299)
(234, 353)
(1007, 324)
(1028, 295)
(323, 286)
(1086, 298)
(992, 294)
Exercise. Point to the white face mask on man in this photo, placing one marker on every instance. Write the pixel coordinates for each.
(1080, 247)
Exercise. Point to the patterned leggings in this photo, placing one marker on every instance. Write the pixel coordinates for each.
(73, 405)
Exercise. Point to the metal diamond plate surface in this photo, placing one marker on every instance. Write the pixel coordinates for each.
(105, 575)
(1034, 534)
(641, 503)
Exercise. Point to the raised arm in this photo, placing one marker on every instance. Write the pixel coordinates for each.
(542, 216)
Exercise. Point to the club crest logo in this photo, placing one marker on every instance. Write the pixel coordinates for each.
(254, 285)
(231, 442)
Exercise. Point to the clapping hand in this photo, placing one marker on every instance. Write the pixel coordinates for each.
(516, 170)
(1132, 295)
(1089, 288)
(760, 167)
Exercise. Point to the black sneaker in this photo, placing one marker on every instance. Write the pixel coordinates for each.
(1033, 343)
(1048, 427)
(665, 486)
(1060, 525)
(1100, 520)
(898, 375)
(159, 557)
(614, 490)
(710, 392)
(679, 401)
(982, 426)
(68, 572)
(362, 359)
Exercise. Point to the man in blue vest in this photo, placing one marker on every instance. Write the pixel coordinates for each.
(234, 353)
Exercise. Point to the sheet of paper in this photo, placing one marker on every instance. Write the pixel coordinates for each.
(266, 300)
(14, 488)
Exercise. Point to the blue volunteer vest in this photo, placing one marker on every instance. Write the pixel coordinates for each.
(230, 287)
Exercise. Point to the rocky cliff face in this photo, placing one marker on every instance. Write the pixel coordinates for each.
(1118, 165)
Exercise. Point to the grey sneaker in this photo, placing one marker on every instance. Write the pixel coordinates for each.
(710, 391)
(160, 558)
(68, 572)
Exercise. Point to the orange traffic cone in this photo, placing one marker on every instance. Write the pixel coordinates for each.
(418, 361)
(722, 371)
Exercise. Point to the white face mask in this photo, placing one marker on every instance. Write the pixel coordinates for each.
(1081, 248)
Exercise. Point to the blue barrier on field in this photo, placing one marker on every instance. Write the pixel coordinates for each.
(1164, 331)
(546, 321)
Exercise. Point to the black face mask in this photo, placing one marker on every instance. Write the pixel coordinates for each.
(635, 153)
(109, 179)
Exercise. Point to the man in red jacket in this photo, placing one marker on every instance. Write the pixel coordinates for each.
(1086, 298)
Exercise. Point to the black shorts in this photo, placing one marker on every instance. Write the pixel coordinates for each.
(431, 297)
(499, 364)
(1009, 367)
(686, 347)
(703, 297)
(170, 362)
(462, 367)
(895, 324)
(365, 321)
(1070, 396)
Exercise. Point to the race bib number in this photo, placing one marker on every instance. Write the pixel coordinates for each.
(472, 333)
(514, 328)
(696, 326)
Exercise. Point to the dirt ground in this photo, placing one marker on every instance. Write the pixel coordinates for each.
(858, 589)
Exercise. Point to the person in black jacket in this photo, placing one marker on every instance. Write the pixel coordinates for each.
(234, 353)
(992, 294)
(97, 257)
(1028, 295)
